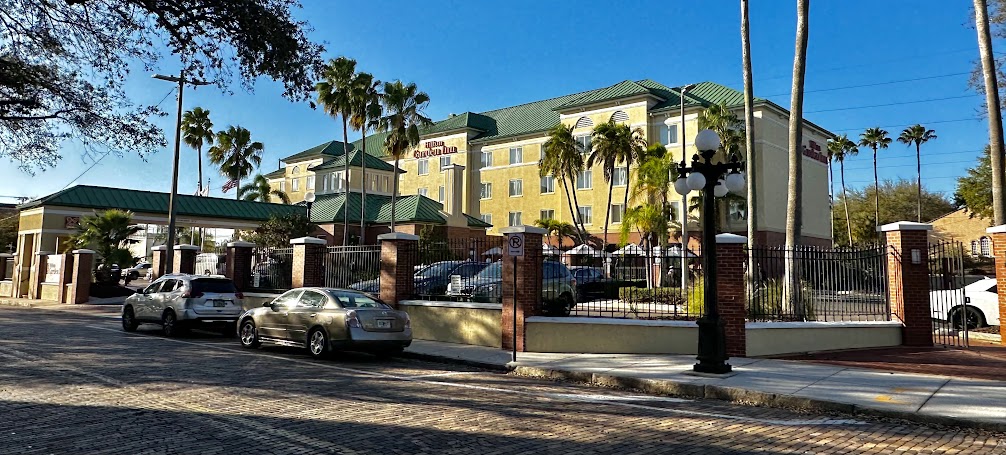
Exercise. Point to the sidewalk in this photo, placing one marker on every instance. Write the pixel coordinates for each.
(765, 382)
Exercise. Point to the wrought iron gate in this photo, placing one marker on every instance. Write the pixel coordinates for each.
(952, 317)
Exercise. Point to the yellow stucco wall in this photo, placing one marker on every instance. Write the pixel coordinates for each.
(50, 291)
(454, 323)
(6, 288)
(766, 339)
(610, 336)
(961, 227)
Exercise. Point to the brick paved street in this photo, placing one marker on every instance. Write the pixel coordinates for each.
(72, 382)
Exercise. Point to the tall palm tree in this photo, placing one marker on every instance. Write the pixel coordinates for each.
(749, 137)
(875, 138)
(550, 226)
(917, 135)
(109, 234)
(366, 110)
(197, 129)
(840, 148)
(260, 190)
(727, 126)
(562, 158)
(989, 76)
(794, 193)
(335, 96)
(402, 118)
(613, 143)
(236, 154)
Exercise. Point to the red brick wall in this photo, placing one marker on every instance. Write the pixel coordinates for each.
(909, 285)
(528, 302)
(239, 261)
(398, 260)
(999, 251)
(730, 295)
(307, 265)
(185, 261)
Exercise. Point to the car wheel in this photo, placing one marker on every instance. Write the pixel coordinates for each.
(317, 344)
(129, 323)
(249, 335)
(969, 317)
(170, 325)
(567, 304)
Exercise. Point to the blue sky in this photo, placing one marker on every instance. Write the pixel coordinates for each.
(475, 56)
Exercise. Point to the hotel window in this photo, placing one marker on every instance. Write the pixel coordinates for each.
(584, 142)
(584, 122)
(423, 192)
(675, 211)
(584, 179)
(516, 155)
(667, 134)
(515, 219)
(282, 185)
(386, 184)
(486, 191)
(620, 177)
(324, 184)
(547, 215)
(424, 166)
(547, 184)
(617, 213)
(586, 214)
(619, 117)
(296, 185)
(445, 161)
(487, 159)
(440, 195)
(986, 245)
(339, 181)
(516, 187)
(373, 182)
(296, 170)
(738, 211)
(487, 218)
(310, 182)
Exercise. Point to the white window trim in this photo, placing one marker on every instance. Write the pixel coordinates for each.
(590, 181)
(520, 183)
(553, 184)
(587, 208)
(520, 154)
(621, 215)
(677, 124)
(520, 216)
(546, 210)
(482, 161)
(626, 176)
(489, 187)
(419, 167)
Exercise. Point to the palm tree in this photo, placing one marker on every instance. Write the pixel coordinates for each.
(108, 234)
(840, 148)
(260, 190)
(550, 226)
(366, 110)
(875, 138)
(562, 158)
(402, 118)
(794, 193)
(749, 137)
(335, 96)
(645, 219)
(989, 75)
(613, 143)
(197, 129)
(917, 135)
(727, 126)
(236, 154)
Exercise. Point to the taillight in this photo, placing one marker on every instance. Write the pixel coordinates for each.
(408, 321)
(352, 320)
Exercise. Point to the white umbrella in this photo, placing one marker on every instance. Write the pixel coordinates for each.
(585, 250)
(549, 250)
(673, 252)
(496, 251)
(630, 250)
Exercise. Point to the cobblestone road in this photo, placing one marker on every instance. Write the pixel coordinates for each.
(75, 383)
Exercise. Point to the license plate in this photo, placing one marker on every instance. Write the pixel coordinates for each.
(384, 323)
(219, 303)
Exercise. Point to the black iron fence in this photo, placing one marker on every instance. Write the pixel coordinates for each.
(272, 269)
(466, 268)
(356, 267)
(807, 283)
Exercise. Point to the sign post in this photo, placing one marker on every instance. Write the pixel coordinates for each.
(515, 248)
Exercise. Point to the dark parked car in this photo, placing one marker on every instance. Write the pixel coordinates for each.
(558, 287)
(431, 280)
(590, 282)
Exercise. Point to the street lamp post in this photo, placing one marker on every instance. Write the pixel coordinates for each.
(715, 179)
(169, 255)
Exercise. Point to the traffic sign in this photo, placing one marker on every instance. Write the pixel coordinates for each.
(515, 244)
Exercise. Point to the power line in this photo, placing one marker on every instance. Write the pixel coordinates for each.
(873, 65)
(875, 84)
(892, 104)
(969, 119)
(912, 165)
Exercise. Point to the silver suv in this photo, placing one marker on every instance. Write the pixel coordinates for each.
(179, 302)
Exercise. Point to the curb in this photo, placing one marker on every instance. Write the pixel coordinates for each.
(455, 361)
(17, 303)
(748, 397)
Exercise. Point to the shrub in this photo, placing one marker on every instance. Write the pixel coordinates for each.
(767, 302)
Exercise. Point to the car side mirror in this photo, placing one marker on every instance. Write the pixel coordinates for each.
(267, 304)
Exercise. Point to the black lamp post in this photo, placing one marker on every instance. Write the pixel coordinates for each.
(715, 179)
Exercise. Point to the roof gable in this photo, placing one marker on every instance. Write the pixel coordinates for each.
(624, 89)
(330, 148)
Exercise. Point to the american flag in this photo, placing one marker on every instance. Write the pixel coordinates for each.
(231, 184)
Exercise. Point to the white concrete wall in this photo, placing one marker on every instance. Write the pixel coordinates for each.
(777, 338)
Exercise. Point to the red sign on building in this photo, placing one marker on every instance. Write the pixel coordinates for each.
(813, 151)
(434, 148)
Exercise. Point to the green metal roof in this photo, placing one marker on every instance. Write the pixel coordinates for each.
(329, 208)
(356, 159)
(100, 198)
(276, 174)
(624, 89)
(330, 148)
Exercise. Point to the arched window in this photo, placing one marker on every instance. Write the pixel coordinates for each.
(296, 169)
(584, 122)
(975, 251)
(619, 116)
(986, 245)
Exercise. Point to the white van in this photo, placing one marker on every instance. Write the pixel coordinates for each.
(211, 264)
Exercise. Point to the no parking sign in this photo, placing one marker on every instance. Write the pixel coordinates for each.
(515, 244)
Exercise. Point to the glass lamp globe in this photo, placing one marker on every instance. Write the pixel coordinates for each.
(707, 140)
(681, 186)
(735, 182)
(696, 181)
(720, 189)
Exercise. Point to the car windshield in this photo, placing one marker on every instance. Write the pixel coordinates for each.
(355, 299)
(438, 269)
(217, 285)
(495, 270)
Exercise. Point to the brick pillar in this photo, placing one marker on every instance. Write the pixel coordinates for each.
(399, 256)
(308, 253)
(239, 262)
(38, 274)
(528, 286)
(158, 264)
(65, 275)
(185, 259)
(999, 251)
(908, 279)
(80, 279)
(730, 291)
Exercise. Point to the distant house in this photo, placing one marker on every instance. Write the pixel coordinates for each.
(960, 226)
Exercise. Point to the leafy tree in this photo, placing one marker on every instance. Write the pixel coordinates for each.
(8, 229)
(562, 159)
(107, 233)
(366, 110)
(335, 96)
(897, 204)
(403, 116)
(614, 143)
(64, 65)
(875, 138)
(918, 135)
(278, 230)
(260, 190)
(236, 154)
(974, 190)
(197, 129)
(839, 148)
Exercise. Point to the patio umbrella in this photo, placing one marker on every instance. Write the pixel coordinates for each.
(630, 250)
(586, 250)
(549, 250)
(496, 251)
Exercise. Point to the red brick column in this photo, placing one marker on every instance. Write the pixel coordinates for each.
(730, 291)
(65, 275)
(239, 262)
(80, 279)
(158, 262)
(399, 256)
(908, 279)
(308, 254)
(185, 259)
(38, 274)
(529, 291)
(999, 251)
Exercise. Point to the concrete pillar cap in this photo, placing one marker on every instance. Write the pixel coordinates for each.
(44, 253)
(240, 244)
(729, 239)
(905, 226)
(187, 247)
(6, 255)
(83, 251)
(523, 230)
(991, 230)
(160, 248)
(397, 236)
(308, 241)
